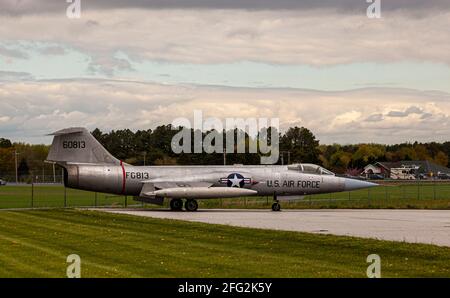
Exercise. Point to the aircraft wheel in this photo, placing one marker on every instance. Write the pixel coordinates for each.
(176, 204)
(191, 205)
(276, 207)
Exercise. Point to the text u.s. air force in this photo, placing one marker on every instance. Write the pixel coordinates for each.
(293, 183)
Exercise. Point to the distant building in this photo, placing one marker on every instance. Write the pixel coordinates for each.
(407, 169)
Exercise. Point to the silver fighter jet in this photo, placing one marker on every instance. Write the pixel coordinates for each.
(89, 166)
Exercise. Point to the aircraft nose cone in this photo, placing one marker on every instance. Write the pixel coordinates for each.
(353, 184)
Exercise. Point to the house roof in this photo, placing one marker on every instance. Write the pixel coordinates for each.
(388, 165)
(371, 166)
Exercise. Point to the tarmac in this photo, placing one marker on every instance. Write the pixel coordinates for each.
(413, 226)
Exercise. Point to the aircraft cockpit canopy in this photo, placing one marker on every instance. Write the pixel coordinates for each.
(309, 168)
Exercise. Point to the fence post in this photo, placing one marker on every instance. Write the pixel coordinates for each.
(65, 197)
(434, 190)
(32, 195)
(418, 189)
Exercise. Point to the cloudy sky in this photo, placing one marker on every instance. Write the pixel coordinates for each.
(137, 64)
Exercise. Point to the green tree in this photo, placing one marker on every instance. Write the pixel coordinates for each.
(5, 143)
(302, 144)
(340, 161)
(407, 153)
(7, 163)
(23, 169)
(99, 135)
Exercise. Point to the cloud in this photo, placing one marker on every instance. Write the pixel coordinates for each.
(210, 37)
(21, 7)
(108, 65)
(409, 111)
(4, 118)
(426, 115)
(35, 108)
(374, 118)
(53, 51)
(118, 36)
(14, 76)
(346, 118)
(12, 53)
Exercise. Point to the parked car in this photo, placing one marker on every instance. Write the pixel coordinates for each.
(443, 176)
(376, 177)
(2, 182)
(352, 177)
(422, 176)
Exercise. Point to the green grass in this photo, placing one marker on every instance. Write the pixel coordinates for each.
(36, 244)
(412, 195)
(26, 196)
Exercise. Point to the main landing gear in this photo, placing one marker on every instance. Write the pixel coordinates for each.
(189, 205)
(276, 205)
(176, 204)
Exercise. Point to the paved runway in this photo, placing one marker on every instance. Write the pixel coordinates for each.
(415, 226)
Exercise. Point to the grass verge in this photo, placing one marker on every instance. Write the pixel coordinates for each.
(36, 244)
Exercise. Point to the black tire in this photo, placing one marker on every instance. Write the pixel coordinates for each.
(176, 204)
(276, 207)
(191, 205)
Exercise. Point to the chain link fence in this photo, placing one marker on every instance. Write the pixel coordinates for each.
(56, 196)
(38, 179)
(394, 194)
(413, 194)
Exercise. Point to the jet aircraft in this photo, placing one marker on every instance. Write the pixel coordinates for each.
(89, 166)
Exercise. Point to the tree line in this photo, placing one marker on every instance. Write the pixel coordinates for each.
(153, 147)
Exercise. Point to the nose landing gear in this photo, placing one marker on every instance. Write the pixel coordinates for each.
(276, 205)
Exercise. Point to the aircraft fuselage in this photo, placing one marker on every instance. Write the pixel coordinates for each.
(266, 180)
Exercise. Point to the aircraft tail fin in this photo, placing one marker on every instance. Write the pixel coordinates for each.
(77, 145)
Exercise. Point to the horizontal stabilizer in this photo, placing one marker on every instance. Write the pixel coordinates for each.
(68, 131)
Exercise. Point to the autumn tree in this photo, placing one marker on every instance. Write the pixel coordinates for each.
(368, 153)
(441, 159)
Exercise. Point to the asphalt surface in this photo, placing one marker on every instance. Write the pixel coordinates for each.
(414, 226)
